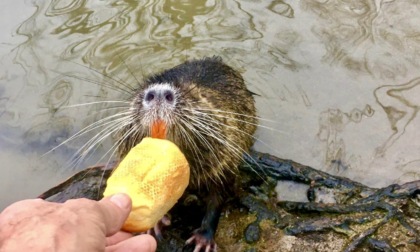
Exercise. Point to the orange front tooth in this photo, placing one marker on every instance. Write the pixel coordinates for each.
(159, 129)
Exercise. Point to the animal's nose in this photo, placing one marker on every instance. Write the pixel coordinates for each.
(159, 95)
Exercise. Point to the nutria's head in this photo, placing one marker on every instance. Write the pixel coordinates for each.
(156, 107)
(203, 107)
(171, 110)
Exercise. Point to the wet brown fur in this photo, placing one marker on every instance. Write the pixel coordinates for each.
(209, 170)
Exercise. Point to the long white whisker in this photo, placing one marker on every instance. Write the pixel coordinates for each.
(91, 145)
(212, 132)
(189, 139)
(120, 141)
(202, 127)
(109, 85)
(85, 130)
(93, 103)
(233, 113)
(122, 83)
(194, 125)
(208, 128)
(237, 129)
(240, 120)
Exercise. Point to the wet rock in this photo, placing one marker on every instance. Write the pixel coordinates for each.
(252, 233)
(359, 219)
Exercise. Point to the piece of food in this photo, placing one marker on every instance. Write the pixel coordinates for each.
(155, 174)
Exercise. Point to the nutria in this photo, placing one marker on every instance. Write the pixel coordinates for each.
(205, 108)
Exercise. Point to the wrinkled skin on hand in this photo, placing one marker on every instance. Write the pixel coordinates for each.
(76, 225)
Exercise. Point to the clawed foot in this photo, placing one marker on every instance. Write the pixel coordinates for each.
(203, 239)
(156, 231)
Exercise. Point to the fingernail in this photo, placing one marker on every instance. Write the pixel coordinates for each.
(121, 200)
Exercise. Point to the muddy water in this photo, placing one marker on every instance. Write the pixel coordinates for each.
(338, 81)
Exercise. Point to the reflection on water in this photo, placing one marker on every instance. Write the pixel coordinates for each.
(337, 80)
(331, 124)
(401, 103)
(376, 37)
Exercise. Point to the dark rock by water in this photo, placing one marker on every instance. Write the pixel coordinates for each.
(360, 219)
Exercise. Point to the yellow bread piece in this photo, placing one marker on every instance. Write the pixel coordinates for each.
(155, 174)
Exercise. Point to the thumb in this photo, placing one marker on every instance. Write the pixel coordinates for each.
(115, 209)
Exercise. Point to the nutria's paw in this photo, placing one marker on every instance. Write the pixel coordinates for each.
(156, 231)
(203, 240)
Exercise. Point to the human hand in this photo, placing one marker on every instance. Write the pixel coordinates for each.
(76, 225)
